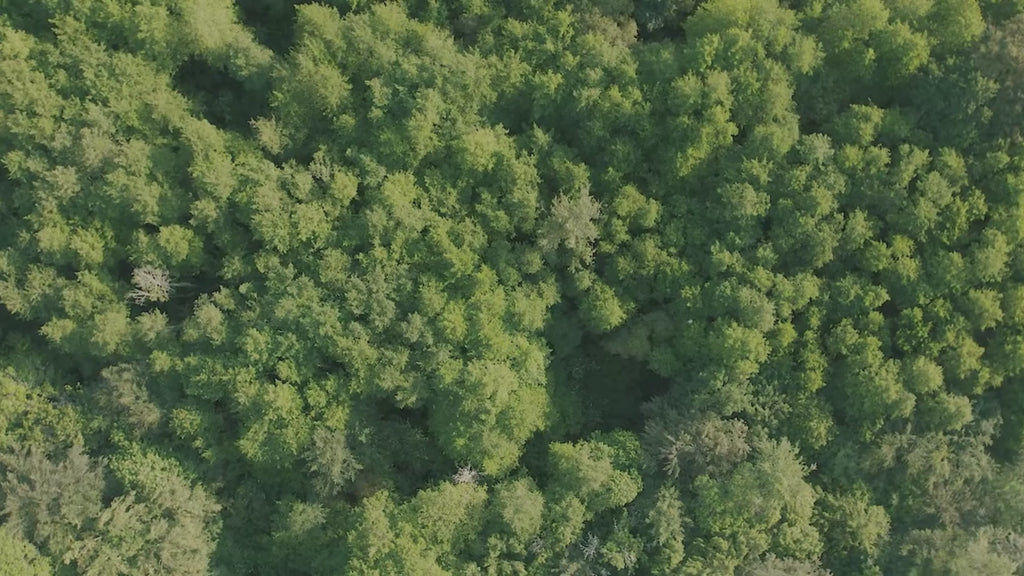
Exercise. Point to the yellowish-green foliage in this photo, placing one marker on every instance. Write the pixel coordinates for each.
(560, 287)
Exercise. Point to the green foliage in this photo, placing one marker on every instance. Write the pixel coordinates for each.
(34, 416)
(518, 509)
(123, 398)
(600, 473)
(854, 531)
(773, 566)
(571, 224)
(691, 446)
(765, 504)
(163, 522)
(331, 462)
(19, 558)
(489, 416)
(51, 503)
(382, 545)
(462, 287)
(666, 533)
(988, 551)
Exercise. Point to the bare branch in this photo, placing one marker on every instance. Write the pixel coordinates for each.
(151, 285)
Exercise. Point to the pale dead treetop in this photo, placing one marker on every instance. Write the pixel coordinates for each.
(152, 284)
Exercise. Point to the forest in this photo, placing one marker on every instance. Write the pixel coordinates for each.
(517, 288)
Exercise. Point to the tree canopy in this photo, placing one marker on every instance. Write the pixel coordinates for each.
(632, 287)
